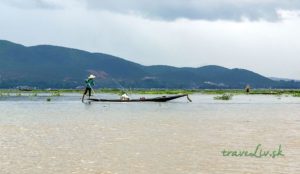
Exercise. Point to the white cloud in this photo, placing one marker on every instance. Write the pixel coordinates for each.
(30, 3)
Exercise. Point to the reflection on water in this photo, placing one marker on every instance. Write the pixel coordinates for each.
(67, 136)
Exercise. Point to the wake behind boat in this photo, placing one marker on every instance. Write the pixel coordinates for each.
(155, 99)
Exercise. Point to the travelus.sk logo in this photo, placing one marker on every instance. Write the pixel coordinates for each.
(258, 152)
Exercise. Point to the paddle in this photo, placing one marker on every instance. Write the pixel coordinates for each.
(187, 96)
(92, 89)
(122, 88)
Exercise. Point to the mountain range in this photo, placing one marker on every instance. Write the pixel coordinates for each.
(46, 66)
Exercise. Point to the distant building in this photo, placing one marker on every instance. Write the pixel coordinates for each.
(25, 88)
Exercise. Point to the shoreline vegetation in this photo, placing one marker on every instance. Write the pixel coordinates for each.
(222, 92)
(217, 94)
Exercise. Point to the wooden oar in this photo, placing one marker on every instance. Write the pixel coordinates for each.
(92, 89)
(187, 96)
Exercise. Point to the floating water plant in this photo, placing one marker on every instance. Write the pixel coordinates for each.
(296, 95)
(224, 97)
(56, 94)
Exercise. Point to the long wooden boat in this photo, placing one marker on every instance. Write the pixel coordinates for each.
(155, 99)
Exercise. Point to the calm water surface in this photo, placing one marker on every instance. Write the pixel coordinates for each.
(66, 136)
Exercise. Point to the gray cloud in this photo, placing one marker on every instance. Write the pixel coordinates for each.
(174, 9)
(199, 9)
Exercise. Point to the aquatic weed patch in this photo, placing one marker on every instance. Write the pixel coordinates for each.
(296, 95)
(224, 97)
(56, 94)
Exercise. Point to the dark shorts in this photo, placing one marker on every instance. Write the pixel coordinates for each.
(87, 89)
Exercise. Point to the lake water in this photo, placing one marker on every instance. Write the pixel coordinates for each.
(66, 136)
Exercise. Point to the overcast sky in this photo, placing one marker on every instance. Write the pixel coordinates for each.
(259, 35)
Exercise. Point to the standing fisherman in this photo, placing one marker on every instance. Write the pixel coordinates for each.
(89, 83)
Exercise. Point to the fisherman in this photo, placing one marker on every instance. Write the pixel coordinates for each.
(124, 97)
(247, 89)
(89, 83)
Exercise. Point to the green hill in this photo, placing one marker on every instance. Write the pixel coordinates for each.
(47, 66)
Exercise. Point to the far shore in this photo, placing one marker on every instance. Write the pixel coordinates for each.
(292, 92)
